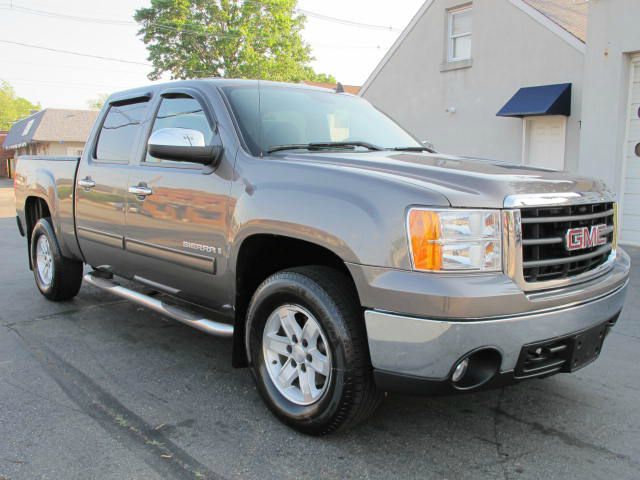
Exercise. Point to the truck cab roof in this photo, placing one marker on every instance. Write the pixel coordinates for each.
(149, 90)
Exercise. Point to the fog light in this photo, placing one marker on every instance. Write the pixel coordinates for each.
(460, 370)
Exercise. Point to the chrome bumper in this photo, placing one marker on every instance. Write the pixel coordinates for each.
(429, 348)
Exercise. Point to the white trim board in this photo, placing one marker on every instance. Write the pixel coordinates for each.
(545, 21)
(520, 4)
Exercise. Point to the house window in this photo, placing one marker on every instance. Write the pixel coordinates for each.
(459, 36)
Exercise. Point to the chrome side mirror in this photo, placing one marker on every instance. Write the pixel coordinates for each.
(183, 145)
(428, 145)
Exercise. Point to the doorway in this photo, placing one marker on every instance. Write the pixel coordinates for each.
(544, 141)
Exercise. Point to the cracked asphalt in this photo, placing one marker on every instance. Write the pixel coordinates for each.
(100, 388)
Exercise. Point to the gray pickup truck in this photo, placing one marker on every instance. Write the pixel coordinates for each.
(344, 257)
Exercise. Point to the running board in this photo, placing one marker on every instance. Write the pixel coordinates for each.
(183, 316)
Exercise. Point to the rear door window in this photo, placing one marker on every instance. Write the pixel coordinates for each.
(119, 133)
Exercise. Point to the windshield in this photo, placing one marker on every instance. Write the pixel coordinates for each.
(278, 116)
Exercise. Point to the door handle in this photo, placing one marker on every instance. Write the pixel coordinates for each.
(140, 190)
(86, 183)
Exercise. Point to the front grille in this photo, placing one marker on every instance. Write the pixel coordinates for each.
(544, 254)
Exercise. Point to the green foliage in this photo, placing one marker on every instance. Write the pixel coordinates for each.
(227, 38)
(98, 102)
(12, 107)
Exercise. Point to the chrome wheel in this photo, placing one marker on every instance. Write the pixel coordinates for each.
(44, 261)
(296, 354)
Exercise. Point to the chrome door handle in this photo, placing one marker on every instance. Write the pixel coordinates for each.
(140, 191)
(86, 183)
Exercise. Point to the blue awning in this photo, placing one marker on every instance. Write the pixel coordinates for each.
(541, 100)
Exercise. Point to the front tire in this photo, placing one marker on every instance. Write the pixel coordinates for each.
(309, 352)
(58, 278)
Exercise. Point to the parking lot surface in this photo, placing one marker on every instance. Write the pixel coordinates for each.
(100, 388)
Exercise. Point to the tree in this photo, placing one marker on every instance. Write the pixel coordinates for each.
(98, 102)
(12, 107)
(227, 38)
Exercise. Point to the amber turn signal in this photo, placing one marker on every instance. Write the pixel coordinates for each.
(424, 233)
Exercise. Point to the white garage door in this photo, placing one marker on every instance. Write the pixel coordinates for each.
(544, 139)
(631, 202)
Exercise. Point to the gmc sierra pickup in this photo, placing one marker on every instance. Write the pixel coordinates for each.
(343, 256)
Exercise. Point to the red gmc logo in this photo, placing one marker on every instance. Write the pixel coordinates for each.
(585, 237)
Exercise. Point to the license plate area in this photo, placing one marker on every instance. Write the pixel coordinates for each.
(587, 346)
(563, 354)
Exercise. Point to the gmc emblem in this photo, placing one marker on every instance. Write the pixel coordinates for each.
(585, 237)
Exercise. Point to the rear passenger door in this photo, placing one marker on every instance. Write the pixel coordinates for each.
(102, 182)
(176, 234)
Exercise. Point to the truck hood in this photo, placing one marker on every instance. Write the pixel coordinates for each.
(465, 182)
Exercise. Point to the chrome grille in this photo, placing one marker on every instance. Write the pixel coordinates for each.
(544, 255)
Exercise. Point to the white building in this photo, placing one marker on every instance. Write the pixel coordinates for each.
(566, 95)
(610, 136)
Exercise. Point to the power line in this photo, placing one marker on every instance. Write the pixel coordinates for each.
(106, 21)
(79, 54)
(100, 57)
(126, 23)
(343, 47)
(123, 22)
(69, 52)
(68, 67)
(47, 13)
(65, 84)
(344, 21)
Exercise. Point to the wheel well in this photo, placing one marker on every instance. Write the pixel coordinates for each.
(35, 208)
(263, 255)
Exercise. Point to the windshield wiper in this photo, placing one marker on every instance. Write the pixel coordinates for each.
(323, 145)
(414, 149)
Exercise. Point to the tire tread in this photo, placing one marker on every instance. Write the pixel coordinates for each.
(361, 397)
(67, 278)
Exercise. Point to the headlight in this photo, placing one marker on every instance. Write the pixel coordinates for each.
(455, 240)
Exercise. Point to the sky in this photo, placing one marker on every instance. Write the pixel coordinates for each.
(61, 80)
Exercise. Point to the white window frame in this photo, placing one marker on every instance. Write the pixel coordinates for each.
(451, 37)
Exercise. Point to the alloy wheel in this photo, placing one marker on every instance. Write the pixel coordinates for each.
(44, 260)
(296, 354)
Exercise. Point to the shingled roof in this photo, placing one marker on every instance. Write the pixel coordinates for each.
(51, 125)
(569, 14)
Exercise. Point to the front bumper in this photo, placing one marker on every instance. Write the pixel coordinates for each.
(408, 350)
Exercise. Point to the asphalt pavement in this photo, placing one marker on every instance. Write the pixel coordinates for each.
(98, 388)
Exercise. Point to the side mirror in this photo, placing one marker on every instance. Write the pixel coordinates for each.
(183, 145)
(428, 145)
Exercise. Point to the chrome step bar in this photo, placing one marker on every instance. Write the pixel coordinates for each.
(177, 313)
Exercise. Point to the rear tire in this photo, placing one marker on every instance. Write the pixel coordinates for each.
(322, 300)
(58, 278)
